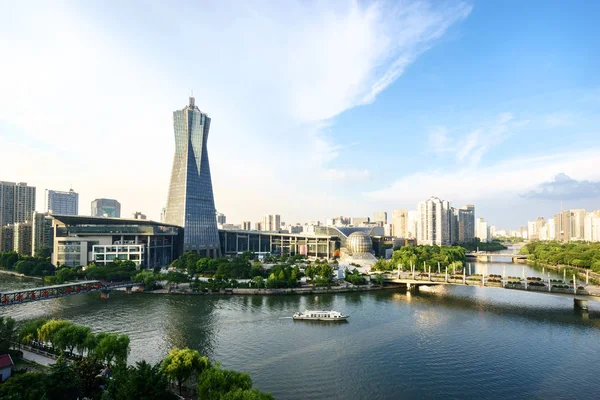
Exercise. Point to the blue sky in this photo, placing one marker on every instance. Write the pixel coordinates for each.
(319, 108)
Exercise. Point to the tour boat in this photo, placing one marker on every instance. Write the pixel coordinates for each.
(320, 315)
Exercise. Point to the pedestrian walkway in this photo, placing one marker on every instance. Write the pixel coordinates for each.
(37, 358)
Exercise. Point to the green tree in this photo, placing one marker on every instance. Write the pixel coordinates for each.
(112, 347)
(215, 383)
(181, 364)
(47, 333)
(65, 274)
(8, 333)
(63, 381)
(26, 386)
(72, 336)
(88, 370)
(259, 280)
(29, 331)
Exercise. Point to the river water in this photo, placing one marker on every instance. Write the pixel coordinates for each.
(444, 342)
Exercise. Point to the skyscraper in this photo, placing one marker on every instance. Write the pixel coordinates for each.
(400, 223)
(433, 224)
(483, 232)
(42, 233)
(191, 203)
(62, 203)
(466, 224)
(221, 219)
(562, 226)
(17, 202)
(106, 208)
(577, 221)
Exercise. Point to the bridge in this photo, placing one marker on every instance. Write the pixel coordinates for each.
(489, 257)
(413, 280)
(67, 289)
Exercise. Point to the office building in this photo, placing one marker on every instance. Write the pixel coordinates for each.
(108, 208)
(483, 232)
(81, 240)
(271, 223)
(400, 223)
(493, 231)
(591, 227)
(23, 238)
(221, 219)
(296, 228)
(62, 203)
(380, 218)
(191, 202)
(246, 225)
(42, 233)
(17, 202)
(433, 223)
(338, 221)
(466, 224)
(550, 230)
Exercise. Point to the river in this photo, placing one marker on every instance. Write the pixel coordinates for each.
(444, 342)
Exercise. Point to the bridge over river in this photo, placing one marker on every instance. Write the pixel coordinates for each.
(492, 257)
(413, 280)
(67, 289)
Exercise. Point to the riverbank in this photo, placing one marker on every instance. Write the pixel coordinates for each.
(277, 292)
(593, 277)
(3, 271)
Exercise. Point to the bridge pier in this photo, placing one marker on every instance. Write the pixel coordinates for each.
(128, 290)
(104, 294)
(411, 287)
(580, 304)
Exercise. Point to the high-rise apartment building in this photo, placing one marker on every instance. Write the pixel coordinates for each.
(550, 230)
(433, 224)
(272, 222)
(259, 226)
(138, 215)
(17, 202)
(532, 230)
(577, 221)
(42, 233)
(400, 223)
(221, 219)
(562, 226)
(591, 227)
(466, 224)
(380, 217)
(483, 232)
(62, 203)
(454, 225)
(412, 224)
(191, 202)
(23, 238)
(246, 225)
(7, 238)
(109, 208)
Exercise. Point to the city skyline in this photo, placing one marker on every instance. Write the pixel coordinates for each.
(512, 131)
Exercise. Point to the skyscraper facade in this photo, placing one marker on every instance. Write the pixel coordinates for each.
(577, 221)
(400, 223)
(562, 226)
(466, 224)
(109, 208)
(17, 202)
(191, 202)
(433, 224)
(483, 232)
(62, 203)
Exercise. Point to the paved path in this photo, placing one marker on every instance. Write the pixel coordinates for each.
(37, 358)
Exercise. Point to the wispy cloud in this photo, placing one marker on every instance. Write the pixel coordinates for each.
(562, 187)
(559, 119)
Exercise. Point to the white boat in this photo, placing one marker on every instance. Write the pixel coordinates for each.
(320, 315)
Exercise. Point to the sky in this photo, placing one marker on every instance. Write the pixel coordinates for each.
(318, 109)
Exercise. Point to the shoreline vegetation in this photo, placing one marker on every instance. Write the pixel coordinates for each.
(94, 366)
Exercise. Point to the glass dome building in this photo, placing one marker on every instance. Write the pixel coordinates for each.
(359, 242)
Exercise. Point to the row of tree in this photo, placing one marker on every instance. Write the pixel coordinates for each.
(423, 257)
(27, 265)
(583, 255)
(101, 371)
(477, 244)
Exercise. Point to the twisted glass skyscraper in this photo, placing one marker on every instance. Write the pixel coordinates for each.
(191, 203)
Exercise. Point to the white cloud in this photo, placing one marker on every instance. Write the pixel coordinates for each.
(501, 181)
(353, 175)
(559, 119)
(97, 86)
